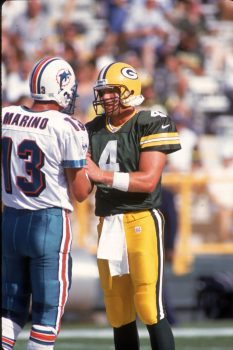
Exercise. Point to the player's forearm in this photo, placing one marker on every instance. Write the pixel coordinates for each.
(144, 180)
(81, 192)
(79, 184)
(129, 182)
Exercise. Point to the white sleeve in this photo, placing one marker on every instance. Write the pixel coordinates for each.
(75, 147)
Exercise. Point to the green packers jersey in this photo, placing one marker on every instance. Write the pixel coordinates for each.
(120, 151)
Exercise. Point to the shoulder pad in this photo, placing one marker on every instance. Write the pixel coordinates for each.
(93, 123)
(76, 124)
(150, 116)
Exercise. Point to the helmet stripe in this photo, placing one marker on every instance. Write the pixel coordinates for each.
(41, 72)
(104, 71)
(37, 72)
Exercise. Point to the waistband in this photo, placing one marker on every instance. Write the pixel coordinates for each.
(52, 210)
(135, 215)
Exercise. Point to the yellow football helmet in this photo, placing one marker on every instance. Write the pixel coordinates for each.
(123, 77)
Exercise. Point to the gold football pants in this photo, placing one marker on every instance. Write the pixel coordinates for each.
(140, 291)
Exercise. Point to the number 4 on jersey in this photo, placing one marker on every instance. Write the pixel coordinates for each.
(108, 158)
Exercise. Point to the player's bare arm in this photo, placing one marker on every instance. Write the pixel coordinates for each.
(151, 165)
(79, 184)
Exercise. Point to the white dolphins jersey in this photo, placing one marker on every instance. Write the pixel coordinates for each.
(36, 147)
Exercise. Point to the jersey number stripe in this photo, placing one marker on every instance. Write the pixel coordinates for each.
(33, 157)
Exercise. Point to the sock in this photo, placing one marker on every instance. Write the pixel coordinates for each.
(42, 338)
(126, 337)
(161, 336)
(10, 332)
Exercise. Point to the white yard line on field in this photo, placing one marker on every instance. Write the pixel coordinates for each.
(94, 333)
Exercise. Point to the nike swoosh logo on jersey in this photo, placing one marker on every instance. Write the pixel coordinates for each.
(165, 126)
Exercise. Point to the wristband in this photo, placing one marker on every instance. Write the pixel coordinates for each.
(121, 181)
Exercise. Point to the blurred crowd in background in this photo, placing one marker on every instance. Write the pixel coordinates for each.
(182, 49)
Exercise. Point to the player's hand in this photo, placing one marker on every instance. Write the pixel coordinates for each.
(93, 171)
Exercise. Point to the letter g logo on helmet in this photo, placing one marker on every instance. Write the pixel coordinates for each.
(129, 73)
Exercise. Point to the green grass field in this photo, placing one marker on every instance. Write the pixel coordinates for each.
(214, 335)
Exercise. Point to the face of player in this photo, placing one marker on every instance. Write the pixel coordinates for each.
(110, 101)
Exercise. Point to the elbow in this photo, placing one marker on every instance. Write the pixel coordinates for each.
(144, 188)
(145, 185)
(150, 188)
(80, 197)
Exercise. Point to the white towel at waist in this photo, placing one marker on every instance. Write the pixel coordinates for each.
(112, 245)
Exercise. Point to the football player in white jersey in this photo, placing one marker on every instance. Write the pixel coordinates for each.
(43, 158)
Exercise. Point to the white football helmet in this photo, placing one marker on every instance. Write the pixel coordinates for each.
(53, 79)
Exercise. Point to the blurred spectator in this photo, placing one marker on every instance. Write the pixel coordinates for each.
(71, 36)
(33, 29)
(170, 80)
(225, 10)
(220, 188)
(103, 54)
(228, 76)
(10, 11)
(189, 52)
(17, 82)
(188, 14)
(189, 139)
(116, 14)
(135, 60)
(3, 82)
(86, 76)
(150, 94)
(148, 34)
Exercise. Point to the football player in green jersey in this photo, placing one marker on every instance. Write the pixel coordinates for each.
(128, 154)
